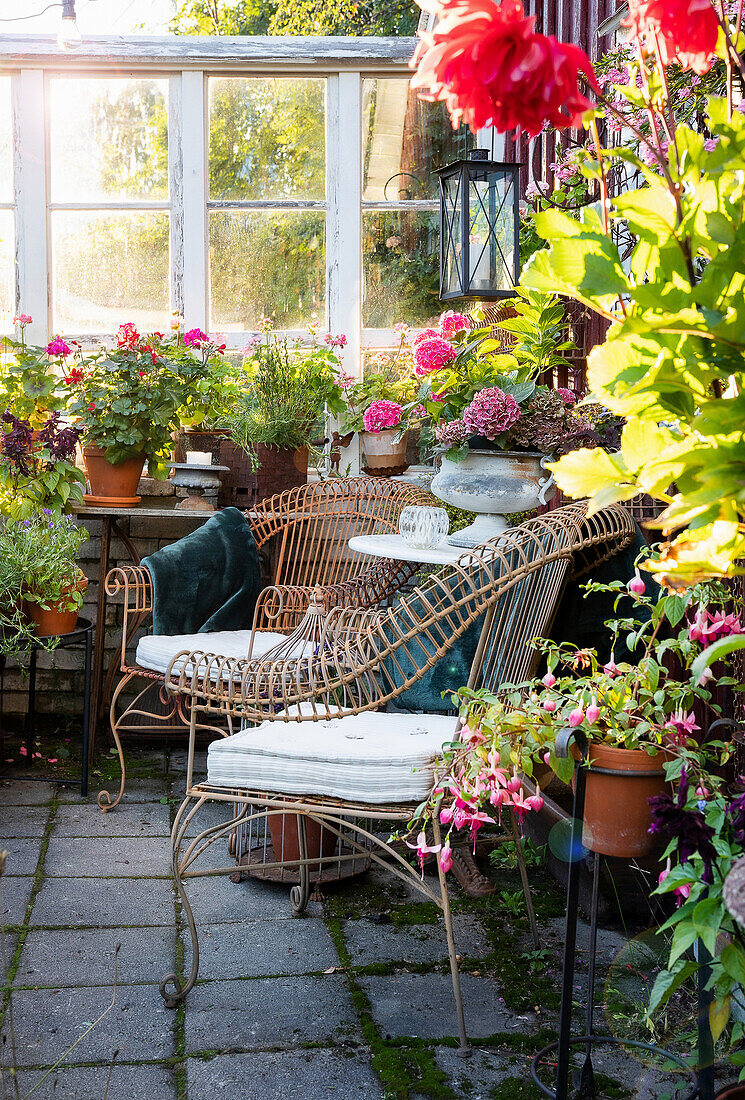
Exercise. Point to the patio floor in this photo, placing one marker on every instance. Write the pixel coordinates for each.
(352, 1001)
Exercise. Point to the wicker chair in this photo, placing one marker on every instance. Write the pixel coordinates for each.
(303, 535)
(337, 670)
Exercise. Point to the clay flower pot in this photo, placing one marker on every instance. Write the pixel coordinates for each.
(49, 622)
(382, 456)
(617, 815)
(111, 486)
(283, 831)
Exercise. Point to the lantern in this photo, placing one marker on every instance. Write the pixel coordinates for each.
(479, 228)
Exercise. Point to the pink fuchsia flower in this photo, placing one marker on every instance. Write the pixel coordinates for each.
(491, 413)
(593, 712)
(577, 717)
(522, 805)
(425, 334)
(548, 680)
(451, 322)
(58, 347)
(567, 396)
(636, 585)
(707, 628)
(711, 143)
(446, 857)
(382, 415)
(423, 849)
(452, 432)
(682, 30)
(195, 338)
(549, 705)
(681, 727)
(22, 319)
(339, 341)
(682, 893)
(432, 354)
(611, 669)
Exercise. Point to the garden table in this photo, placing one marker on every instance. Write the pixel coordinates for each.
(109, 517)
(393, 546)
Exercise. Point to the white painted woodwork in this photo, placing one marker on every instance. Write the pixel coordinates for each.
(32, 219)
(194, 152)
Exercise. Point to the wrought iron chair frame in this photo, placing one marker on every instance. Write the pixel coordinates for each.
(348, 645)
(331, 512)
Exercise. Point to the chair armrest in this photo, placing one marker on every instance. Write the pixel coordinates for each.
(136, 584)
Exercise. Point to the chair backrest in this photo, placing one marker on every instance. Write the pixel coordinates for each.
(307, 529)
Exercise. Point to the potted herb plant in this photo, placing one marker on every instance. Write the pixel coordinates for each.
(125, 401)
(42, 584)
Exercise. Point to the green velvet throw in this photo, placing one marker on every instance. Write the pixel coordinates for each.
(580, 618)
(208, 580)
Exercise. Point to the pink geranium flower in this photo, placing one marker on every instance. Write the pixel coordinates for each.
(22, 319)
(339, 341)
(58, 347)
(195, 338)
(382, 415)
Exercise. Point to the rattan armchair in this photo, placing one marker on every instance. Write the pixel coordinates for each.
(303, 535)
(337, 670)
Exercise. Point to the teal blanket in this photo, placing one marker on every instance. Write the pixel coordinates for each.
(580, 618)
(209, 580)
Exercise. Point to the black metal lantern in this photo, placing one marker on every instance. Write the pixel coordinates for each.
(479, 228)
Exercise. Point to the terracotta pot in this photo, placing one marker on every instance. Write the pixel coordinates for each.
(51, 622)
(111, 485)
(617, 814)
(283, 831)
(733, 1091)
(382, 456)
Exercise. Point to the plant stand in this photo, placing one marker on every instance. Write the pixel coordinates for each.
(583, 1083)
(82, 635)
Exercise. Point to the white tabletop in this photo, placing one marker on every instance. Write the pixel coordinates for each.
(393, 546)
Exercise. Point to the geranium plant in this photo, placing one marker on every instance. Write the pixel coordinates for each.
(31, 377)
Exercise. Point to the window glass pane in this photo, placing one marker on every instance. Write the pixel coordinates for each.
(6, 142)
(267, 138)
(401, 267)
(108, 269)
(109, 139)
(404, 140)
(7, 271)
(267, 264)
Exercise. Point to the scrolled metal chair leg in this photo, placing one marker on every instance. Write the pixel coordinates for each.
(464, 1050)
(105, 802)
(172, 989)
(300, 894)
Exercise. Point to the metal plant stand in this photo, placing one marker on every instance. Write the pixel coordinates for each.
(81, 635)
(584, 1083)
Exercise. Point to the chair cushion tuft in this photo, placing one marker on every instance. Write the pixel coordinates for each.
(368, 758)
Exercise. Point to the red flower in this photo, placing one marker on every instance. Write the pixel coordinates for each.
(127, 336)
(141, 373)
(91, 407)
(490, 67)
(75, 377)
(682, 30)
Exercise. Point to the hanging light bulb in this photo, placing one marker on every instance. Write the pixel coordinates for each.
(69, 37)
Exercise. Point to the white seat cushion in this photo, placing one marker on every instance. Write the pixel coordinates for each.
(367, 758)
(156, 651)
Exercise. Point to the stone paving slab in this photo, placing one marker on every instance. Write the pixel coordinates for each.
(22, 821)
(136, 790)
(478, 1076)
(15, 894)
(422, 1005)
(23, 856)
(368, 942)
(91, 901)
(46, 1023)
(136, 819)
(215, 898)
(268, 1012)
(77, 956)
(259, 948)
(89, 1083)
(16, 792)
(110, 856)
(312, 1074)
(212, 813)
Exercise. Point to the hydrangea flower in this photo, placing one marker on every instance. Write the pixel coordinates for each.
(451, 322)
(432, 354)
(451, 433)
(567, 396)
(382, 415)
(491, 413)
(425, 334)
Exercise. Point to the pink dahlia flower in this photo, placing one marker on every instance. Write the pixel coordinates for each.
(491, 413)
(432, 354)
(382, 415)
(452, 322)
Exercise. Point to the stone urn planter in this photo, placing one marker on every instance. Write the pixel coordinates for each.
(384, 453)
(493, 484)
(111, 485)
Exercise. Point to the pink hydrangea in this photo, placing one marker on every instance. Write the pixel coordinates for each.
(452, 322)
(382, 415)
(452, 433)
(567, 396)
(491, 413)
(58, 347)
(195, 338)
(432, 354)
(425, 334)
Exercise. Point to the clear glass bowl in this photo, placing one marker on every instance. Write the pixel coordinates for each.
(422, 527)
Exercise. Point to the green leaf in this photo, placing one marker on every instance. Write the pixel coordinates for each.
(733, 961)
(715, 652)
(667, 981)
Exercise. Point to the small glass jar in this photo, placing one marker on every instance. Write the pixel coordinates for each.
(422, 527)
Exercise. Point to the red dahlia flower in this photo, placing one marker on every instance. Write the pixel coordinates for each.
(486, 62)
(683, 30)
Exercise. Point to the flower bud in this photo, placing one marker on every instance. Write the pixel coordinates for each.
(513, 785)
(549, 705)
(549, 680)
(593, 712)
(576, 718)
(636, 585)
